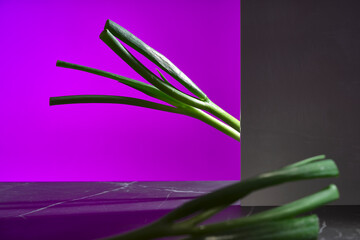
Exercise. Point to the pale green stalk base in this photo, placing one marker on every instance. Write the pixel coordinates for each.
(224, 116)
(203, 116)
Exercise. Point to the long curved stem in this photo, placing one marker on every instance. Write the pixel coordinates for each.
(113, 99)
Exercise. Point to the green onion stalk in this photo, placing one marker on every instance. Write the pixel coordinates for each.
(200, 107)
(279, 223)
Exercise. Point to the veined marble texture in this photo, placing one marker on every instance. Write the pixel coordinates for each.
(94, 210)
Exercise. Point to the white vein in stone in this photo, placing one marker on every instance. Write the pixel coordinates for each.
(339, 234)
(250, 212)
(124, 186)
(323, 226)
(40, 209)
(182, 191)
(162, 203)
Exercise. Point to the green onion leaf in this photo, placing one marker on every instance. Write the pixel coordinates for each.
(162, 76)
(112, 99)
(277, 223)
(306, 161)
(288, 210)
(154, 56)
(140, 86)
(232, 193)
(302, 228)
(123, 53)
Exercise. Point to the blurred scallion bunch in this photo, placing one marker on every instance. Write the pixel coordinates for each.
(279, 223)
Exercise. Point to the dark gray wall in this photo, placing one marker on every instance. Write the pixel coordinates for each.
(300, 92)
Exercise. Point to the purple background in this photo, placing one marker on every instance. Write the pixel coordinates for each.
(111, 142)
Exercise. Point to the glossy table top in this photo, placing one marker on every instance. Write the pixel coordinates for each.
(95, 210)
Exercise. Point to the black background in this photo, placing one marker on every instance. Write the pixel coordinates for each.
(300, 80)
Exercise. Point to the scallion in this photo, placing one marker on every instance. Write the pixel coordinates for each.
(200, 107)
(279, 223)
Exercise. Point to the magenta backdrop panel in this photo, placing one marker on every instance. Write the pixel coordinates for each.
(111, 142)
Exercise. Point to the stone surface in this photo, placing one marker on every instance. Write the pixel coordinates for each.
(95, 210)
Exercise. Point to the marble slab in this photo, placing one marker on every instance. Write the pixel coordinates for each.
(95, 210)
(92, 210)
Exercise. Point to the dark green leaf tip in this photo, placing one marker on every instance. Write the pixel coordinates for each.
(333, 188)
(108, 23)
(160, 60)
(162, 76)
